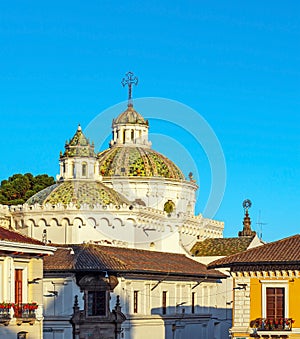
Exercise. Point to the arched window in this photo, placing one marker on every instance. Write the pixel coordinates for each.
(84, 169)
(73, 170)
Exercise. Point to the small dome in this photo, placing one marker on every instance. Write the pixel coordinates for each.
(79, 193)
(130, 116)
(137, 161)
(79, 146)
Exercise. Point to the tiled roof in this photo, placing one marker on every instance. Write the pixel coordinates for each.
(130, 116)
(220, 246)
(89, 257)
(279, 252)
(137, 161)
(79, 145)
(9, 235)
(79, 192)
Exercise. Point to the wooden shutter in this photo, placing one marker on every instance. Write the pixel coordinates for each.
(275, 302)
(193, 302)
(18, 286)
(164, 302)
(135, 301)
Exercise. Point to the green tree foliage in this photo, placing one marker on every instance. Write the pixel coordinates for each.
(20, 187)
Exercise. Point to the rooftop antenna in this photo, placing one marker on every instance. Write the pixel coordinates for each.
(260, 224)
(129, 80)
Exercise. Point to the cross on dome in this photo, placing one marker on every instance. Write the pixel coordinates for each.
(129, 80)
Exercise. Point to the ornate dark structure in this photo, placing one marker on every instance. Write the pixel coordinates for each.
(96, 320)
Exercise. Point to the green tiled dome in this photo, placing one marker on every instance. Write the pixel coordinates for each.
(137, 161)
(79, 193)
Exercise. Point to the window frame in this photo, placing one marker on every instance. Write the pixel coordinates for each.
(164, 302)
(275, 284)
(94, 302)
(193, 302)
(135, 301)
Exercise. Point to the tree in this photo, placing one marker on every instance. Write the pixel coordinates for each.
(18, 188)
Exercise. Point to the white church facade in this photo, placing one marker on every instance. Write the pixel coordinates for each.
(123, 221)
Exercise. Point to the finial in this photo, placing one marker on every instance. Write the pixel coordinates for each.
(79, 127)
(129, 80)
(247, 231)
(247, 204)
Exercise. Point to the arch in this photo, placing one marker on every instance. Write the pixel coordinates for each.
(77, 222)
(92, 222)
(118, 222)
(30, 222)
(170, 228)
(131, 220)
(53, 222)
(104, 222)
(65, 222)
(42, 223)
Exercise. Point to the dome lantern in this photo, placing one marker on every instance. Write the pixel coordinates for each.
(130, 128)
(79, 159)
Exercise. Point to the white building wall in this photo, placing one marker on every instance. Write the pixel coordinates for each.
(59, 295)
(179, 321)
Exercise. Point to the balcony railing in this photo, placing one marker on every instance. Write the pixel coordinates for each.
(272, 324)
(4, 314)
(25, 313)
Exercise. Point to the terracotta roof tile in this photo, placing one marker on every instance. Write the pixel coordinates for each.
(13, 236)
(279, 252)
(221, 246)
(118, 259)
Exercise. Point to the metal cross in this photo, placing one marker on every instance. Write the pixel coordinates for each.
(129, 80)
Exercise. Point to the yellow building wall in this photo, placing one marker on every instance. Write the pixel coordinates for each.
(294, 301)
(255, 299)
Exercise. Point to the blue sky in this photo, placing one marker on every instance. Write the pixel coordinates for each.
(234, 62)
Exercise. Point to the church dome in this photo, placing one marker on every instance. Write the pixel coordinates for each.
(130, 116)
(78, 192)
(137, 162)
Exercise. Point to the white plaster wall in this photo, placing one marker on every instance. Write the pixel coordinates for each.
(59, 295)
(208, 322)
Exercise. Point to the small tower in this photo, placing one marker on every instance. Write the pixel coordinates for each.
(130, 128)
(247, 231)
(79, 160)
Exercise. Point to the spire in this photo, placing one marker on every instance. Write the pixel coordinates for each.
(247, 231)
(129, 80)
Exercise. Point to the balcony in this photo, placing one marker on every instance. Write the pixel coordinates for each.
(272, 324)
(25, 313)
(5, 313)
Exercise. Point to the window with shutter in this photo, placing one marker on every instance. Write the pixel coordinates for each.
(275, 302)
(96, 303)
(18, 286)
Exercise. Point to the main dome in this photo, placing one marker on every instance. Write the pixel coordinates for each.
(137, 162)
(78, 192)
